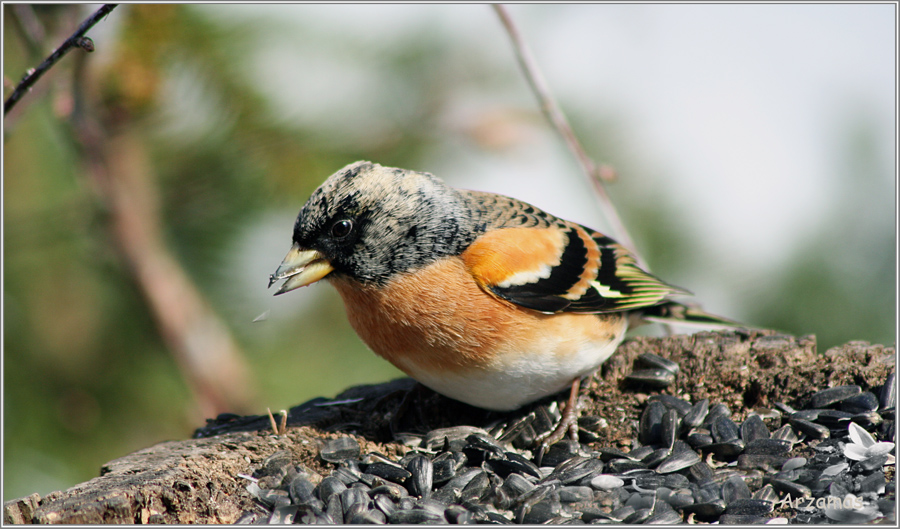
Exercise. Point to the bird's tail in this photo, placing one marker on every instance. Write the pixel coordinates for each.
(675, 313)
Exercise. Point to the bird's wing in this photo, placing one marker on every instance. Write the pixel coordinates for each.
(559, 266)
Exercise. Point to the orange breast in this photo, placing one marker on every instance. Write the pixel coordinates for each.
(439, 320)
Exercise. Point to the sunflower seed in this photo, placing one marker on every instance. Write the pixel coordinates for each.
(754, 428)
(697, 414)
(827, 397)
(657, 378)
(811, 429)
(422, 473)
(735, 488)
(651, 423)
(887, 397)
(678, 461)
(337, 450)
(669, 427)
(862, 403)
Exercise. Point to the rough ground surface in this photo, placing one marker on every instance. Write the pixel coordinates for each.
(196, 480)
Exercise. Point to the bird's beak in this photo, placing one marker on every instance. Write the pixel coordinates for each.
(300, 267)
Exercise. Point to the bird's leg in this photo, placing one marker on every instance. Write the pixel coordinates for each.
(567, 423)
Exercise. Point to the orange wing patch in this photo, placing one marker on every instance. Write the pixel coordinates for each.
(514, 256)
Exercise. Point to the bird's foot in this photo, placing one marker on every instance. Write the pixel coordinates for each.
(568, 423)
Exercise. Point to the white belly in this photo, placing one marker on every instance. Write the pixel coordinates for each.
(517, 379)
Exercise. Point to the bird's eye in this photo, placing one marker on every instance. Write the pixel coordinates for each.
(341, 228)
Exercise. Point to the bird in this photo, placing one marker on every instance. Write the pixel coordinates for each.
(481, 297)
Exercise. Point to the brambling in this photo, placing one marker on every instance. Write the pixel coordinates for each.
(481, 297)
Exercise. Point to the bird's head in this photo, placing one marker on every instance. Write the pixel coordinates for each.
(369, 223)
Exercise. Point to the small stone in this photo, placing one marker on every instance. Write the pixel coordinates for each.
(606, 482)
(575, 493)
(793, 464)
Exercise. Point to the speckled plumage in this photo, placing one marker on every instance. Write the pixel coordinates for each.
(404, 220)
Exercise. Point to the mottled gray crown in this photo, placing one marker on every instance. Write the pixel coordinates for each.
(400, 220)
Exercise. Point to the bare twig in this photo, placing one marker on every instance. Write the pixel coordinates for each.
(77, 39)
(597, 174)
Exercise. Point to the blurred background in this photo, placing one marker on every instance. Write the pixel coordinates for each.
(150, 187)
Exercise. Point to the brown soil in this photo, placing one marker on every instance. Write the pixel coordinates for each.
(196, 480)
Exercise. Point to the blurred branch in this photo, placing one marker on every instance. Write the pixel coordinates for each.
(597, 174)
(29, 27)
(76, 40)
(118, 170)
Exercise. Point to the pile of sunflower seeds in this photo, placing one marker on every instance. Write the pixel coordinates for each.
(690, 463)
